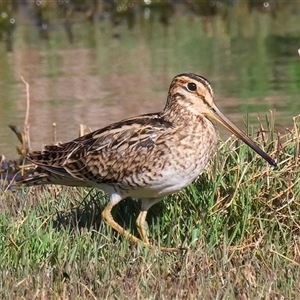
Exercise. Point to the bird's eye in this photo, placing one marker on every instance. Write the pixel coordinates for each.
(192, 86)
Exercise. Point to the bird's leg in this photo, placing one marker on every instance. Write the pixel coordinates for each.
(108, 219)
(142, 226)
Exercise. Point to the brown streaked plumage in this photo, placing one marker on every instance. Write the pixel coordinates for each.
(147, 157)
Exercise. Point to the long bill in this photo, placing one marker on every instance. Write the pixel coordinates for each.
(217, 115)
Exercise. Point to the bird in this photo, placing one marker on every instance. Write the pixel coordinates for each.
(147, 157)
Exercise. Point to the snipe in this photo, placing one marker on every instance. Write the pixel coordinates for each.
(147, 157)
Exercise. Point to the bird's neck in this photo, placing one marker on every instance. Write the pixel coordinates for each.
(181, 115)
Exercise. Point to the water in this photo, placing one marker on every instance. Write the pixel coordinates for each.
(121, 63)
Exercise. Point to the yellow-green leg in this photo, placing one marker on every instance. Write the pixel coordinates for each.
(142, 226)
(108, 219)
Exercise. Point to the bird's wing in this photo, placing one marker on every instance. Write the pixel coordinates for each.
(106, 155)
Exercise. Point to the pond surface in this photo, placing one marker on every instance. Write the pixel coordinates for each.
(96, 63)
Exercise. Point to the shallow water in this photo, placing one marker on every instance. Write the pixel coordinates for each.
(121, 63)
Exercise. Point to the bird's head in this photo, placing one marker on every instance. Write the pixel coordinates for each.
(193, 94)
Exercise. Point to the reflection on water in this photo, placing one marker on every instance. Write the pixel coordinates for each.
(95, 62)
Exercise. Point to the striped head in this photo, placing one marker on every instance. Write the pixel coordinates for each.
(193, 94)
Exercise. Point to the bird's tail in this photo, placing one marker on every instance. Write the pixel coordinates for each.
(41, 176)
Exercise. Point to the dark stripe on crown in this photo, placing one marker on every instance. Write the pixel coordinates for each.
(196, 77)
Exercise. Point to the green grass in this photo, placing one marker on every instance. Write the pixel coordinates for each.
(239, 224)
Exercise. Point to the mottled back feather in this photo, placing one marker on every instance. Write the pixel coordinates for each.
(102, 156)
